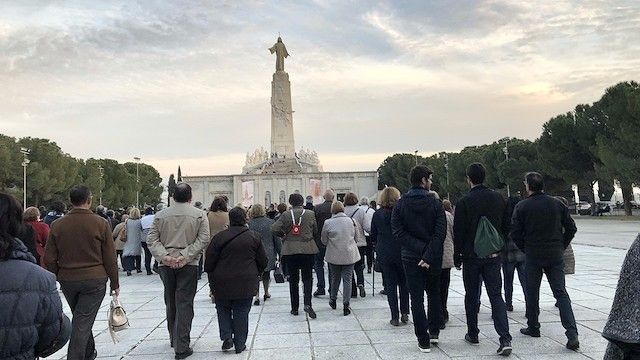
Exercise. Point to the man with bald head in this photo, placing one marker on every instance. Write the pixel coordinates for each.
(323, 212)
(177, 237)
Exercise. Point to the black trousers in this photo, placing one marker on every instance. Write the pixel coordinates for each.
(554, 269)
(420, 280)
(233, 320)
(508, 270)
(368, 252)
(488, 270)
(396, 284)
(318, 267)
(132, 263)
(147, 258)
(300, 264)
(445, 280)
(179, 291)
(358, 267)
(84, 298)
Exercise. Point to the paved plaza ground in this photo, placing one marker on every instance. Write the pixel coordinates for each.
(366, 334)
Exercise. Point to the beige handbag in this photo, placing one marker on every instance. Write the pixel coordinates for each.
(117, 318)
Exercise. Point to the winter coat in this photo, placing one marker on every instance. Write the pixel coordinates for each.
(80, 247)
(480, 201)
(51, 217)
(542, 227)
(339, 236)
(418, 222)
(118, 233)
(322, 212)
(271, 243)
(622, 326)
(42, 233)
(179, 230)
(388, 249)
(297, 244)
(447, 247)
(235, 258)
(357, 214)
(32, 323)
(218, 221)
(133, 245)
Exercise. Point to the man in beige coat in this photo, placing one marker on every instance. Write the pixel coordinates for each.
(176, 239)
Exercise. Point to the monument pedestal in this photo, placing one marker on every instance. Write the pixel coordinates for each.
(282, 140)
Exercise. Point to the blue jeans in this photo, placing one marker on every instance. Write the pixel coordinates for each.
(420, 280)
(396, 282)
(554, 269)
(318, 267)
(508, 270)
(233, 320)
(473, 270)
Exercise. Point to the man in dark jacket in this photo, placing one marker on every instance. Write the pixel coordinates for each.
(542, 227)
(481, 201)
(323, 212)
(418, 222)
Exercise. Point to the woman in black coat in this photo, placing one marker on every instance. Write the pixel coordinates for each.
(235, 259)
(32, 323)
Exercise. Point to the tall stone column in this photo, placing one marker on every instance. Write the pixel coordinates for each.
(282, 143)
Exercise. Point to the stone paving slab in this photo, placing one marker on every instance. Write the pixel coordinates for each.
(366, 334)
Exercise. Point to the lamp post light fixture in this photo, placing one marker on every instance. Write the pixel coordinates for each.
(137, 159)
(505, 150)
(25, 161)
(101, 170)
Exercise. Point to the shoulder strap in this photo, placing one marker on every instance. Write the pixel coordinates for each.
(230, 240)
(354, 213)
(293, 217)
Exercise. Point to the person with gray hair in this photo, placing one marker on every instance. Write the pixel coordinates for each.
(323, 212)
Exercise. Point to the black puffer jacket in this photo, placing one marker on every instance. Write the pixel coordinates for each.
(32, 323)
(418, 222)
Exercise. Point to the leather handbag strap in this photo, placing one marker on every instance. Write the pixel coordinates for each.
(230, 240)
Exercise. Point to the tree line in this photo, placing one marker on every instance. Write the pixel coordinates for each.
(51, 173)
(593, 143)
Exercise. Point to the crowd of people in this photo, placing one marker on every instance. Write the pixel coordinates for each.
(413, 239)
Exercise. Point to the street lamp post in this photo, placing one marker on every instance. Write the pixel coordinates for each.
(505, 149)
(137, 159)
(25, 161)
(446, 167)
(101, 170)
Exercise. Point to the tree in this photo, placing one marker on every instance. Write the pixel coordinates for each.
(150, 183)
(394, 171)
(617, 141)
(50, 172)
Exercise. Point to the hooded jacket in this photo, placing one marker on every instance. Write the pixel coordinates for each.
(32, 323)
(418, 222)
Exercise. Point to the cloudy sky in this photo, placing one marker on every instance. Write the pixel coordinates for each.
(188, 82)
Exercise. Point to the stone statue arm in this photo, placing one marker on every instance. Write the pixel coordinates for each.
(285, 53)
(273, 48)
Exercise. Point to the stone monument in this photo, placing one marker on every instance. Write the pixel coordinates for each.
(283, 158)
(270, 176)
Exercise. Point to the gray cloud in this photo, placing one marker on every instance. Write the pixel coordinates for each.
(172, 80)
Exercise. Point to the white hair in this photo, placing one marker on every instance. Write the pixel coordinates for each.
(364, 200)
